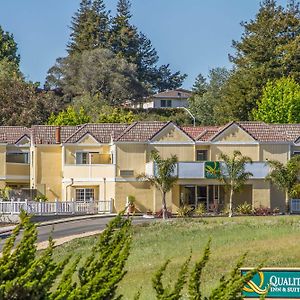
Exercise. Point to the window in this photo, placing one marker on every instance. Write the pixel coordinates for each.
(165, 103)
(85, 195)
(201, 155)
(126, 173)
(82, 158)
(17, 157)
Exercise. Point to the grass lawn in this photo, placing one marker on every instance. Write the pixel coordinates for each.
(274, 240)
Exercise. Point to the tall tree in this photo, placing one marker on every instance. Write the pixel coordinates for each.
(163, 178)
(267, 50)
(89, 27)
(234, 175)
(207, 98)
(280, 102)
(124, 37)
(8, 47)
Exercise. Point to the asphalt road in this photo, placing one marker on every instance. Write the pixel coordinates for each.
(75, 227)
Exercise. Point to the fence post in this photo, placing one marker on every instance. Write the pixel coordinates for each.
(12, 206)
(26, 205)
(56, 206)
(73, 206)
(40, 207)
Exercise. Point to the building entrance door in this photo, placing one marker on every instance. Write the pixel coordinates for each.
(202, 195)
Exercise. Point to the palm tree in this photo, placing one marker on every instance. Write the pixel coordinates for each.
(286, 177)
(163, 178)
(233, 174)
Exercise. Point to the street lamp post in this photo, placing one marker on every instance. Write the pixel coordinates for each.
(194, 119)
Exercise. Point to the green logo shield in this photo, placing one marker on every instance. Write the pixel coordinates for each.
(212, 169)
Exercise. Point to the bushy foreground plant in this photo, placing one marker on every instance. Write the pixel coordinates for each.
(229, 288)
(26, 275)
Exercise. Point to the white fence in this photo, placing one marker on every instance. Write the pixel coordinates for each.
(56, 208)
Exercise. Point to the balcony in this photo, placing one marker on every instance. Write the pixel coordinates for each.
(91, 171)
(195, 170)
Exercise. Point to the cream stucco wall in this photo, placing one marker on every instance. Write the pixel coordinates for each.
(274, 152)
(49, 171)
(251, 150)
(184, 152)
(131, 157)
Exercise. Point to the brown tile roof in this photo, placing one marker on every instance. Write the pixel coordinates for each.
(260, 131)
(141, 131)
(45, 134)
(178, 93)
(290, 131)
(103, 132)
(201, 133)
(12, 134)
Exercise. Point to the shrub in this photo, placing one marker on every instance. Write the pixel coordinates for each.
(262, 211)
(184, 211)
(230, 286)
(28, 276)
(200, 210)
(244, 209)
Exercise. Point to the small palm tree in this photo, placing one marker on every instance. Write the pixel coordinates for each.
(233, 174)
(163, 178)
(286, 177)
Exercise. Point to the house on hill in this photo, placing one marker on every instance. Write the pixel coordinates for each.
(168, 99)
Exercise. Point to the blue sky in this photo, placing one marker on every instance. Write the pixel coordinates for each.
(192, 35)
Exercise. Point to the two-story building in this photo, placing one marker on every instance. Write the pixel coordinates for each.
(102, 161)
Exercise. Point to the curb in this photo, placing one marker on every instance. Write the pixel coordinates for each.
(9, 229)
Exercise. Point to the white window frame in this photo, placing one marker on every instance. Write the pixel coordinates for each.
(86, 196)
(166, 101)
(78, 156)
(27, 157)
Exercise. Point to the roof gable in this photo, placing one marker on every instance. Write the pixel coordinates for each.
(23, 141)
(171, 133)
(88, 139)
(233, 133)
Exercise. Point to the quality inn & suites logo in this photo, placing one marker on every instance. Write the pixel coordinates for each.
(274, 283)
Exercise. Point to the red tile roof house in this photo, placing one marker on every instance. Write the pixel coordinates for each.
(102, 161)
(168, 99)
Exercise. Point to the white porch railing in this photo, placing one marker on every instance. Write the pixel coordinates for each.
(56, 208)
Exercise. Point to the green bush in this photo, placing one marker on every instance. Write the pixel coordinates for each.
(230, 286)
(184, 211)
(28, 276)
(244, 209)
(200, 210)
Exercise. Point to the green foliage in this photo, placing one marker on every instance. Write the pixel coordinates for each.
(194, 287)
(117, 115)
(41, 198)
(26, 275)
(200, 209)
(8, 48)
(285, 176)
(280, 102)
(207, 97)
(233, 175)
(89, 27)
(4, 193)
(163, 178)
(244, 209)
(69, 117)
(267, 50)
(229, 288)
(184, 211)
(168, 293)
(23, 104)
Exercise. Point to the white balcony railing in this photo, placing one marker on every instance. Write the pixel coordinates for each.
(195, 170)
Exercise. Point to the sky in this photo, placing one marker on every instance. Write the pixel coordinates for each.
(192, 36)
